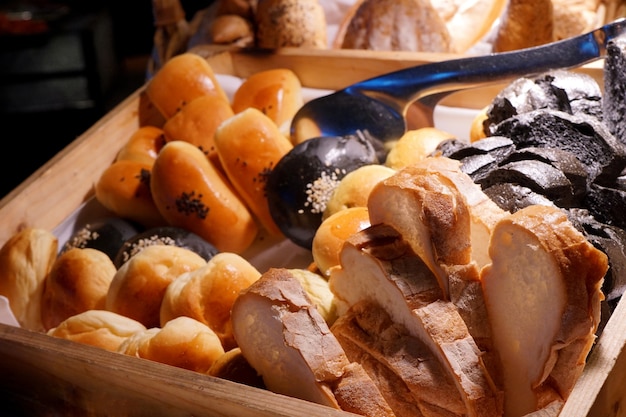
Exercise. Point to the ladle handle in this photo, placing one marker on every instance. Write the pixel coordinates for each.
(405, 86)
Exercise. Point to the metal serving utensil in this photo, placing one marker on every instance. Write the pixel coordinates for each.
(377, 106)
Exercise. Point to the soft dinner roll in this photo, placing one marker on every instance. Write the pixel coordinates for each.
(233, 366)
(124, 189)
(414, 146)
(297, 23)
(354, 188)
(183, 342)
(143, 145)
(200, 199)
(139, 285)
(333, 232)
(277, 93)
(207, 294)
(180, 80)
(25, 260)
(197, 121)
(100, 328)
(78, 281)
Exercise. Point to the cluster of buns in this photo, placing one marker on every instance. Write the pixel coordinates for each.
(205, 168)
(455, 26)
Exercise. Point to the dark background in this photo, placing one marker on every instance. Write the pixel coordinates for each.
(56, 83)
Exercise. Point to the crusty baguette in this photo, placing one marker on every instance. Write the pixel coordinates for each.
(524, 24)
(378, 266)
(300, 356)
(543, 293)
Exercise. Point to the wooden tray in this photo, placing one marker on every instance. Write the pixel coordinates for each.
(39, 373)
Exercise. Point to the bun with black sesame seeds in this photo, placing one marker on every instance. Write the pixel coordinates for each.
(191, 193)
(249, 146)
(196, 123)
(124, 189)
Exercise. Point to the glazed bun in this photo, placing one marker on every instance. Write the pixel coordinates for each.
(139, 285)
(143, 145)
(414, 146)
(197, 121)
(99, 328)
(290, 23)
(25, 260)
(200, 199)
(180, 80)
(78, 281)
(354, 188)
(124, 189)
(249, 145)
(208, 293)
(183, 342)
(277, 93)
(333, 232)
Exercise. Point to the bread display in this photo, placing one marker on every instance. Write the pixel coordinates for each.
(99, 328)
(78, 281)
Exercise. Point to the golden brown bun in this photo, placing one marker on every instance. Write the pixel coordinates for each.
(277, 93)
(477, 130)
(391, 25)
(139, 285)
(143, 145)
(196, 123)
(524, 24)
(414, 146)
(233, 366)
(183, 342)
(124, 189)
(78, 281)
(249, 145)
(231, 29)
(331, 234)
(200, 199)
(295, 23)
(100, 328)
(25, 260)
(207, 294)
(182, 79)
(353, 189)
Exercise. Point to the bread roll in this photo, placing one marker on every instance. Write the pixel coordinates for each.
(99, 328)
(353, 189)
(143, 145)
(414, 146)
(525, 24)
(183, 342)
(318, 290)
(277, 93)
(295, 23)
(196, 123)
(138, 286)
(180, 80)
(200, 199)
(124, 189)
(25, 260)
(231, 29)
(333, 232)
(78, 281)
(249, 145)
(233, 366)
(207, 294)
(391, 25)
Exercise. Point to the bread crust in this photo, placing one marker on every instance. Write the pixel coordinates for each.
(290, 23)
(524, 24)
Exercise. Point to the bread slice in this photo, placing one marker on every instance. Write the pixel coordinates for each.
(378, 266)
(543, 318)
(300, 356)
